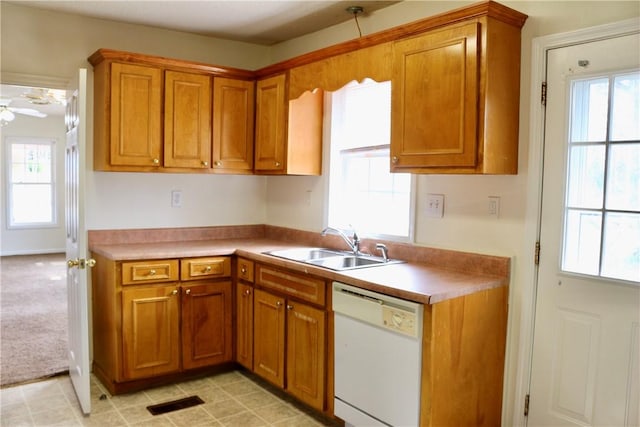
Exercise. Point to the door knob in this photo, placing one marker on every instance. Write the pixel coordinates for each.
(81, 263)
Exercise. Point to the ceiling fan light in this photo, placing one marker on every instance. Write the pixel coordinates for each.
(6, 115)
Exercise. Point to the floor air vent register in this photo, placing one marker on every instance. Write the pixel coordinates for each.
(174, 405)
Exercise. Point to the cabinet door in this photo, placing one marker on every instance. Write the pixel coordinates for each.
(271, 112)
(306, 344)
(206, 324)
(233, 108)
(244, 326)
(150, 331)
(268, 333)
(187, 120)
(136, 108)
(435, 85)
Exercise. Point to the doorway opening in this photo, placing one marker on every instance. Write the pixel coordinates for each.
(34, 309)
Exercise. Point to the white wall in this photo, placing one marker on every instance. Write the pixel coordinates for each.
(38, 42)
(49, 43)
(40, 240)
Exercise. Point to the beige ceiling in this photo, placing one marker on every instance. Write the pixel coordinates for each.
(263, 22)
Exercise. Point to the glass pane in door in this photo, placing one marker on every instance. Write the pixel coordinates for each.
(589, 106)
(621, 248)
(625, 117)
(623, 180)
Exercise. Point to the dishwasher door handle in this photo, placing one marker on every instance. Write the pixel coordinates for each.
(366, 297)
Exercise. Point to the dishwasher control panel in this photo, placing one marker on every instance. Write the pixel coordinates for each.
(401, 321)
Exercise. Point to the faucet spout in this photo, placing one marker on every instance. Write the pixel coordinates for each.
(353, 243)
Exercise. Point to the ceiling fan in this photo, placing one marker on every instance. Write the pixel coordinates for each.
(8, 114)
(42, 96)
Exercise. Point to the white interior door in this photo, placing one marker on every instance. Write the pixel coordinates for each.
(76, 246)
(586, 351)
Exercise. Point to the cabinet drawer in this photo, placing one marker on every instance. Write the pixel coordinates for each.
(297, 285)
(149, 271)
(244, 269)
(205, 268)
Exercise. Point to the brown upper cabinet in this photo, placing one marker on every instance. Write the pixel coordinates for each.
(455, 90)
(207, 111)
(288, 132)
(128, 108)
(233, 112)
(187, 120)
(455, 100)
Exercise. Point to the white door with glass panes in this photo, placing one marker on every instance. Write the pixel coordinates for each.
(586, 349)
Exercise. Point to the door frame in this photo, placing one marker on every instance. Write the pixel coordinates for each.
(540, 47)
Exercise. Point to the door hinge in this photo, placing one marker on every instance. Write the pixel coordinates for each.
(526, 405)
(536, 256)
(543, 94)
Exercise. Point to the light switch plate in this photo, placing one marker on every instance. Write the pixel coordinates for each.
(494, 206)
(435, 205)
(176, 199)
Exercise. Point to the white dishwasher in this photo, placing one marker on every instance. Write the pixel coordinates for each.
(378, 350)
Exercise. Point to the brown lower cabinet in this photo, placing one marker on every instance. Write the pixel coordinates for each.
(157, 318)
(281, 332)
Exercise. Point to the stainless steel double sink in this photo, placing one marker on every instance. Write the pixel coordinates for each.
(332, 259)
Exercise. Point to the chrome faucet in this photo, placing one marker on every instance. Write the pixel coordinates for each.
(382, 248)
(354, 242)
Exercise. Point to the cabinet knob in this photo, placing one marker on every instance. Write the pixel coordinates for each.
(217, 163)
(207, 269)
(278, 303)
(247, 292)
(188, 291)
(152, 272)
(394, 159)
(205, 163)
(289, 307)
(243, 270)
(277, 164)
(174, 292)
(156, 161)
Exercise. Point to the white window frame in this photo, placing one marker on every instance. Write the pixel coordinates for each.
(335, 179)
(16, 140)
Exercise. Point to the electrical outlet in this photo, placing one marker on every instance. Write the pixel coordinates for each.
(176, 199)
(435, 205)
(494, 206)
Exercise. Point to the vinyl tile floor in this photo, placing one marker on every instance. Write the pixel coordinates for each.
(230, 399)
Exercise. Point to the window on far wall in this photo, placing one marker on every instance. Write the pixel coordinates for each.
(602, 208)
(31, 200)
(363, 194)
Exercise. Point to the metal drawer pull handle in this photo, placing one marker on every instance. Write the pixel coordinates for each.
(152, 272)
(207, 269)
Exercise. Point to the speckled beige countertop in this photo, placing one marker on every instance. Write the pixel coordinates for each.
(429, 276)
